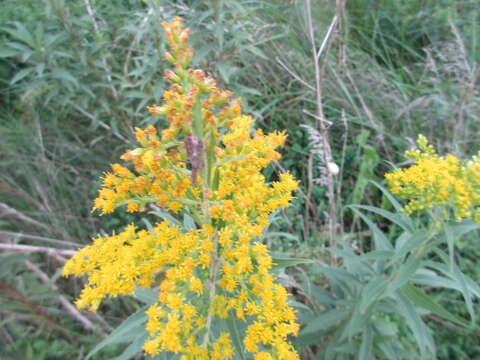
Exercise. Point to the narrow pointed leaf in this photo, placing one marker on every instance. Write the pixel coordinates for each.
(124, 332)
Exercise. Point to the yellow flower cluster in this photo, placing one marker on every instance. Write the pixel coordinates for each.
(207, 163)
(435, 181)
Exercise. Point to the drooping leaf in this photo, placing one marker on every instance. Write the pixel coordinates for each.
(365, 352)
(325, 320)
(134, 348)
(125, 332)
(147, 296)
(381, 241)
(188, 222)
(420, 299)
(232, 325)
(421, 332)
(396, 218)
(166, 216)
(372, 292)
(280, 262)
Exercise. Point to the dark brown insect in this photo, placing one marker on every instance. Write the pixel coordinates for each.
(194, 148)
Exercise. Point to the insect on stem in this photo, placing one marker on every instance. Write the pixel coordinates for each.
(194, 147)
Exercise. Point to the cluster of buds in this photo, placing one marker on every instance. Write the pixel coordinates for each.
(206, 164)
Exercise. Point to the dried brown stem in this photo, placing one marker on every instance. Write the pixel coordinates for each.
(41, 249)
(7, 210)
(7, 236)
(319, 59)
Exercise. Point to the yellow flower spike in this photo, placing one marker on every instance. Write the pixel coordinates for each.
(435, 181)
(207, 164)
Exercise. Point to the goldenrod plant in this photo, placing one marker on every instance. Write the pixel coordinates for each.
(435, 181)
(379, 297)
(206, 165)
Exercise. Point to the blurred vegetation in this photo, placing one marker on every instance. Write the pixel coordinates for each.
(76, 77)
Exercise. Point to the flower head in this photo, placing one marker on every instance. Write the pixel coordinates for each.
(436, 181)
(206, 164)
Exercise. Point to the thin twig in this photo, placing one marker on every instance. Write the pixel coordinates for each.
(342, 165)
(316, 117)
(309, 191)
(10, 234)
(101, 123)
(295, 75)
(7, 210)
(326, 38)
(320, 118)
(46, 250)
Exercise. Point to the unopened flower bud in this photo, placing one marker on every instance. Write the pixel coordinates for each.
(171, 76)
(183, 37)
(157, 110)
(169, 57)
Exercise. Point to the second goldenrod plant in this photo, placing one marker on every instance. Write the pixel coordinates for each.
(206, 164)
(436, 181)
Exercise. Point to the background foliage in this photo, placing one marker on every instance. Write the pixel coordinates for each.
(75, 78)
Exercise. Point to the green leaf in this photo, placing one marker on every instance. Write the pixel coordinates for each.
(232, 325)
(450, 242)
(22, 34)
(124, 332)
(381, 241)
(357, 322)
(391, 198)
(325, 320)
(372, 292)
(420, 331)
(20, 75)
(376, 255)
(411, 241)
(188, 222)
(460, 278)
(365, 352)
(454, 231)
(431, 279)
(338, 275)
(216, 179)
(224, 70)
(255, 51)
(4, 53)
(406, 272)
(321, 296)
(165, 216)
(283, 262)
(62, 74)
(420, 299)
(472, 286)
(147, 296)
(298, 305)
(396, 218)
(134, 348)
(148, 224)
(281, 234)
